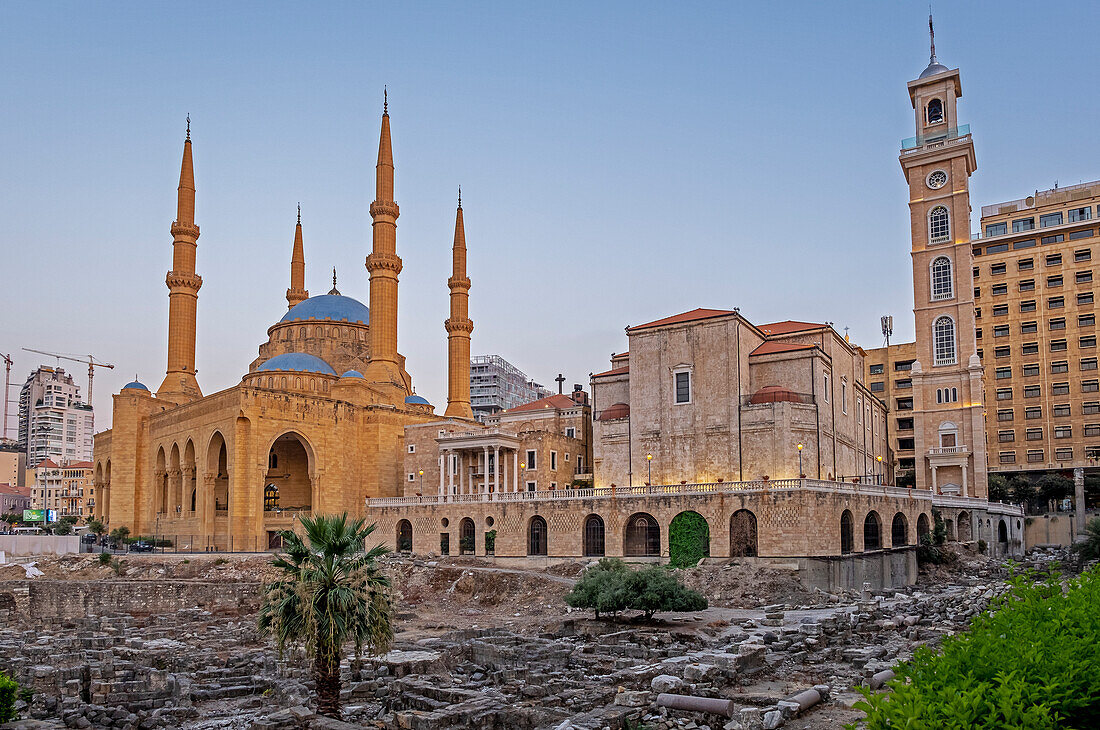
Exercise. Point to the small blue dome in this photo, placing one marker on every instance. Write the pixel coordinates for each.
(336, 307)
(352, 374)
(417, 400)
(298, 362)
(135, 385)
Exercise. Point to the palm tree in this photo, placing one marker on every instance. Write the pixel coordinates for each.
(331, 591)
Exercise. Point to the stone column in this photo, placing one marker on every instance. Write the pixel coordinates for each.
(965, 469)
(450, 471)
(934, 486)
(496, 469)
(442, 461)
(485, 470)
(1079, 499)
(515, 471)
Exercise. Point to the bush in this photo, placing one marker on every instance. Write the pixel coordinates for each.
(998, 488)
(8, 691)
(1031, 663)
(1089, 548)
(104, 558)
(688, 540)
(928, 552)
(62, 528)
(611, 587)
(119, 534)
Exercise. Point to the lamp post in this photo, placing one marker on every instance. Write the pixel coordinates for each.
(882, 479)
(800, 474)
(421, 474)
(649, 465)
(523, 467)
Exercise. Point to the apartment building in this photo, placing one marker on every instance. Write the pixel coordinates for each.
(1034, 279)
(67, 488)
(887, 374)
(497, 385)
(54, 422)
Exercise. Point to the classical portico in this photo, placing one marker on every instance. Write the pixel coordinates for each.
(479, 462)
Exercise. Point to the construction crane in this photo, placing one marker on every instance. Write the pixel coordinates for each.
(90, 361)
(7, 389)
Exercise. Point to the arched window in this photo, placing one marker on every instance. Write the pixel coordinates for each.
(594, 536)
(466, 537)
(404, 536)
(899, 531)
(536, 536)
(872, 532)
(949, 434)
(846, 538)
(939, 225)
(943, 283)
(272, 460)
(743, 536)
(935, 111)
(642, 536)
(943, 341)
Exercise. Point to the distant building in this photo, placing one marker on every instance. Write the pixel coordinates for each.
(54, 423)
(13, 499)
(66, 488)
(887, 374)
(13, 462)
(497, 385)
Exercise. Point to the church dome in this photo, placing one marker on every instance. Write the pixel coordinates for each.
(417, 400)
(336, 307)
(933, 68)
(298, 362)
(135, 385)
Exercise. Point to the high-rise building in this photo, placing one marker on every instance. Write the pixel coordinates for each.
(497, 385)
(54, 423)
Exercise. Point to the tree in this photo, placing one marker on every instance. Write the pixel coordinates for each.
(96, 527)
(331, 591)
(11, 518)
(611, 587)
(1054, 487)
(601, 588)
(119, 534)
(1089, 548)
(1023, 492)
(998, 488)
(62, 528)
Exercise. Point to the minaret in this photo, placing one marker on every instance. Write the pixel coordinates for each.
(949, 433)
(384, 265)
(459, 326)
(180, 384)
(297, 291)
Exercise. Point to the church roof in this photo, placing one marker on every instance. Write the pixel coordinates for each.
(769, 348)
(336, 307)
(691, 316)
(550, 401)
(298, 362)
(613, 371)
(787, 326)
(933, 68)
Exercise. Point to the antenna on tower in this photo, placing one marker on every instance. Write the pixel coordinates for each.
(887, 321)
(931, 35)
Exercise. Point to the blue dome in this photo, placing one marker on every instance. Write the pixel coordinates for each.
(352, 374)
(135, 385)
(336, 307)
(417, 400)
(298, 362)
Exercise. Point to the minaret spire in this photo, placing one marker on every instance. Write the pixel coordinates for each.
(180, 384)
(297, 291)
(384, 265)
(459, 326)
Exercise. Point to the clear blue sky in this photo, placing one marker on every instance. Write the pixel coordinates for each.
(619, 162)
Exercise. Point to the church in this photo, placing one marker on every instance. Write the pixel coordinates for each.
(317, 425)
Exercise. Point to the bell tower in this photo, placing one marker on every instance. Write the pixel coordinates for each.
(949, 424)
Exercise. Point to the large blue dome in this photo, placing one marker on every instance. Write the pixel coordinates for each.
(336, 307)
(135, 385)
(298, 362)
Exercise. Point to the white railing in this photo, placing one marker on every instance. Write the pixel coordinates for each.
(703, 489)
(942, 450)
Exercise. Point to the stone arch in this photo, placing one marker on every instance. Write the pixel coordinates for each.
(292, 475)
(688, 538)
(175, 481)
(190, 477)
(1002, 533)
(537, 536)
(744, 540)
(217, 471)
(847, 532)
(899, 531)
(949, 529)
(160, 501)
(923, 526)
(872, 531)
(963, 527)
(467, 537)
(642, 536)
(593, 539)
(404, 540)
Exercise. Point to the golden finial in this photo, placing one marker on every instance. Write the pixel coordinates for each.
(460, 197)
(385, 101)
(299, 214)
(189, 126)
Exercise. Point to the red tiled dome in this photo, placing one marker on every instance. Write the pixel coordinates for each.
(774, 394)
(615, 411)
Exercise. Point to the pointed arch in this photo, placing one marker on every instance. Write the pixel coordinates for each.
(872, 532)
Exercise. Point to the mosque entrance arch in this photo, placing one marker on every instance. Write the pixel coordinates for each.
(288, 485)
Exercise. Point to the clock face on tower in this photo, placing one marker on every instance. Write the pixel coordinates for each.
(937, 179)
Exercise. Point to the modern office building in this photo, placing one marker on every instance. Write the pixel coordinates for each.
(54, 423)
(497, 385)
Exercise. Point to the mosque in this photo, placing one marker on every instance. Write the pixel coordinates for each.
(316, 425)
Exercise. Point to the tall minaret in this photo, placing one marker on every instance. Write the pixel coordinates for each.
(297, 291)
(384, 265)
(459, 326)
(949, 433)
(180, 384)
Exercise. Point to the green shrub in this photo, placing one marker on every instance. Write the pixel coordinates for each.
(120, 533)
(8, 691)
(611, 587)
(104, 558)
(1089, 547)
(688, 540)
(490, 542)
(1031, 663)
(982, 546)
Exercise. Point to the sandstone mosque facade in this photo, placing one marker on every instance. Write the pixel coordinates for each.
(766, 433)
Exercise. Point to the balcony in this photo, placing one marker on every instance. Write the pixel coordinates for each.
(948, 450)
(939, 139)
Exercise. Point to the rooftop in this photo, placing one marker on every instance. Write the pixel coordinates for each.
(789, 325)
(692, 316)
(769, 348)
(551, 401)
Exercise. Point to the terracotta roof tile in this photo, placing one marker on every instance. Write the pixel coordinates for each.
(613, 371)
(771, 347)
(47, 464)
(615, 412)
(80, 465)
(550, 401)
(691, 316)
(787, 326)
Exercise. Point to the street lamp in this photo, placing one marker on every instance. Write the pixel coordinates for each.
(421, 473)
(522, 467)
(649, 464)
(881, 475)
(800, 474)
